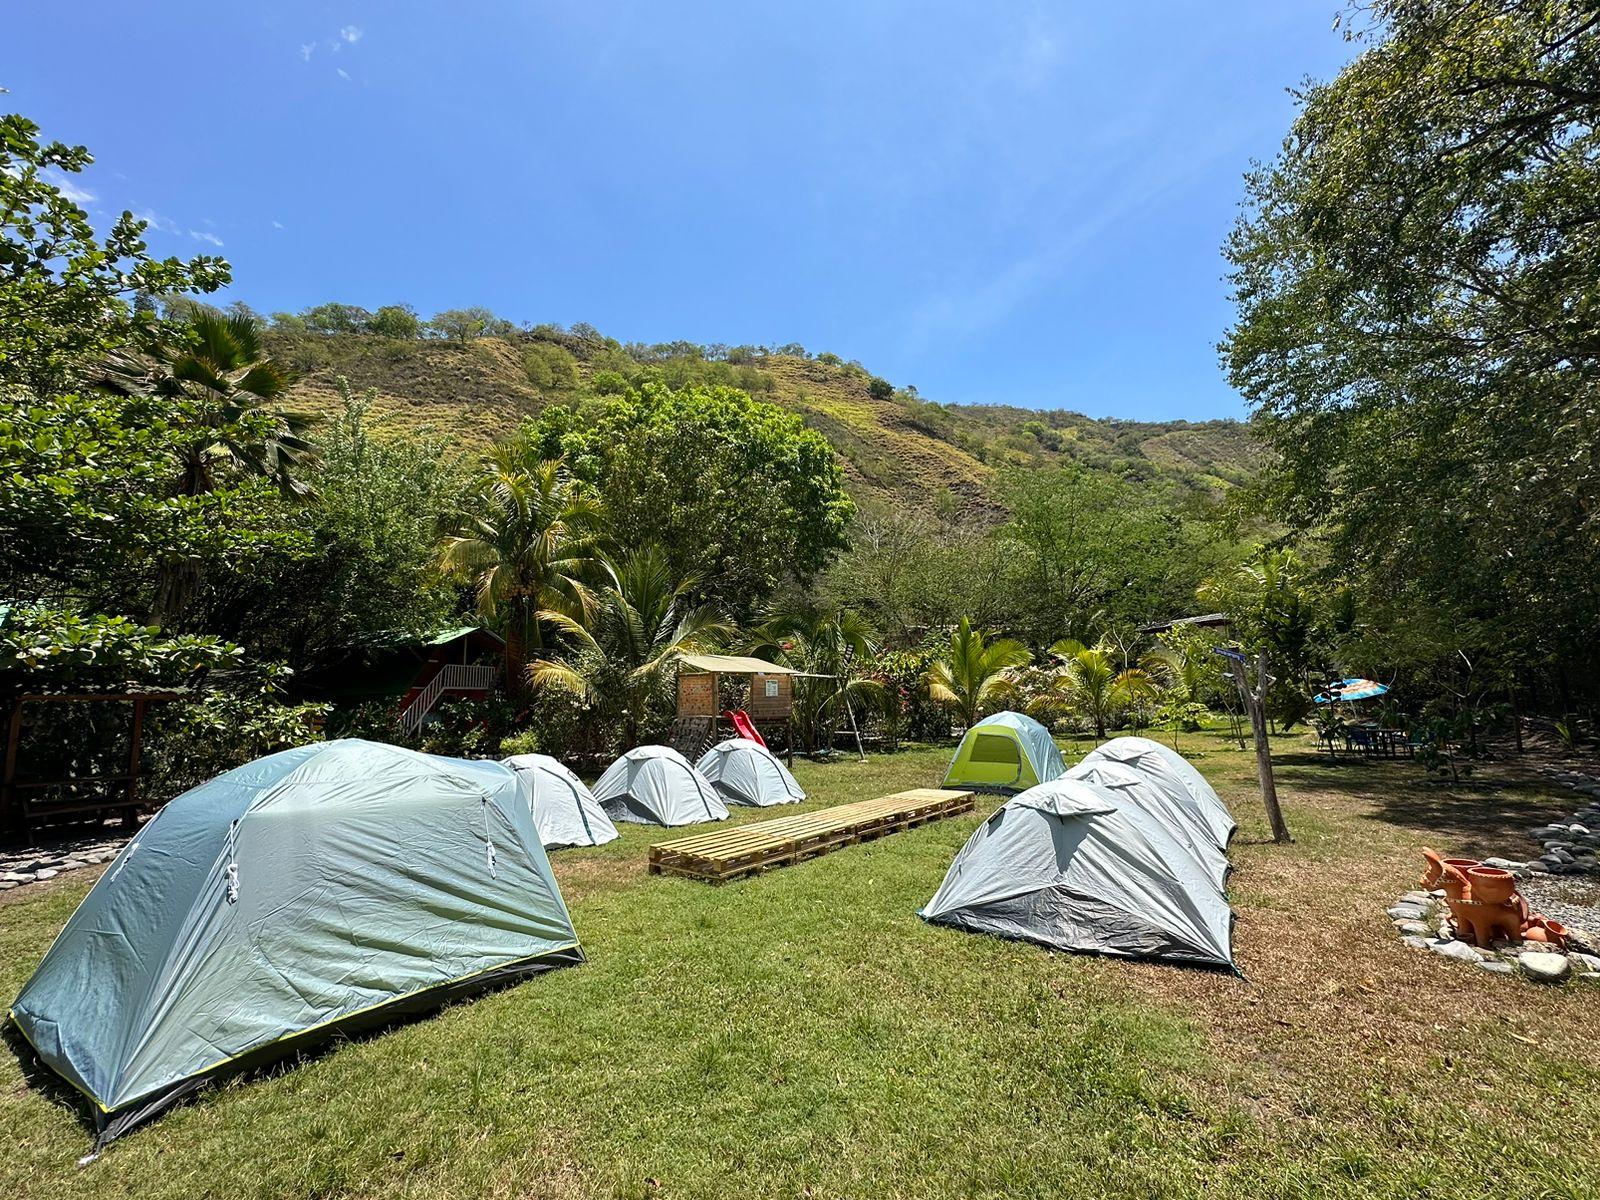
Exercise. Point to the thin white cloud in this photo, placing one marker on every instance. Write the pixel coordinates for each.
(343, 74)
(277, 224)
(307, 50)
(156, 221)
(69, 187)
(351, 33)
(201, 235)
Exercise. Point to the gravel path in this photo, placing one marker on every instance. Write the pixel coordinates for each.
(1571, 899)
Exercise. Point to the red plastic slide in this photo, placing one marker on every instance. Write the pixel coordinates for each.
(741, 724)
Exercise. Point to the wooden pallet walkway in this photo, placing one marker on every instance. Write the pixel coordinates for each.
(724, 854)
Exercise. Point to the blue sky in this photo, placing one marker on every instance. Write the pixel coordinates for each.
(1011, 203)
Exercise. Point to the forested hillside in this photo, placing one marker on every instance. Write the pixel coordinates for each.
(896, 445)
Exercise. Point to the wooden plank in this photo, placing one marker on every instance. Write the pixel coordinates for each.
(723, 854)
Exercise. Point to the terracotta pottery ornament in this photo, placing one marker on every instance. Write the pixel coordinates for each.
(1485, 906)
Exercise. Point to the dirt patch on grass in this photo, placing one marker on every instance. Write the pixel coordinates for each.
(1333, 1005)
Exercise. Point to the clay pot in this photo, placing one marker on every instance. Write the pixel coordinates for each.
(1535, 933)
(1490, 885)
(1462, 864)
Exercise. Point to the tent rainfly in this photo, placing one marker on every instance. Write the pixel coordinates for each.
(655, 785)
(1167, 801)
(310, 893)
(1165, 764)
(1005, 752)
(565, 811)
(1072, 866)
(746, 772)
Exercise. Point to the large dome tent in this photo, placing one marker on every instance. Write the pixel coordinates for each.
(746, 772)
(307, 894)
(1164, 763)
(655, 785)
(1007, 751)
(1073, 866)
(1166, 800)
(565, 811)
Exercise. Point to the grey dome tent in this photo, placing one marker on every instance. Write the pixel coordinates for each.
(1164, 763)
(1006, 751)
(1072, 866)
(309, 893)
(1168, 802)
(746, 772)
(565, 811)
(655, 785)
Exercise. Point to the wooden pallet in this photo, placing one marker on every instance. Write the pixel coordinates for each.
(724, 854)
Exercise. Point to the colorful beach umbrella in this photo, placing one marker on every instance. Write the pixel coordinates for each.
(1351, 689)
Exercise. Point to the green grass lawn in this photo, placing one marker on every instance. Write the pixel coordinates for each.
(805, 1034)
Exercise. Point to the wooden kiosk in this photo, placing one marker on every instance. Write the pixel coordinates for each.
(769, 702)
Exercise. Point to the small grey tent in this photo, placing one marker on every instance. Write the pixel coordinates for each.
(565, 811)
(746, 772)
(1009, 751)
(655, 785)
(1164, 763)
(1072, 866)
(306, 894)
(1165, 800)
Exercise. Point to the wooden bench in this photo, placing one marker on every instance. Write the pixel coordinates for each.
(723, 854)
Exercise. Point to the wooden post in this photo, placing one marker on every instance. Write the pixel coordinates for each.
(8, 795)
(1255, 703)
(133, 754)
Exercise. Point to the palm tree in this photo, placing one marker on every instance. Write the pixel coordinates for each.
(220, 392)
(528, 541)
(831, 645)
(974, 672)
(644, 622)
(1091, 682)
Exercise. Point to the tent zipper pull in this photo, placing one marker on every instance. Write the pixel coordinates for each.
(488, 841)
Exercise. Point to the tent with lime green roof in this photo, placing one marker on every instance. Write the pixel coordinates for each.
(1006, 752)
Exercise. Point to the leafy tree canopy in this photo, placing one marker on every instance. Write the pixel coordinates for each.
(739, 494)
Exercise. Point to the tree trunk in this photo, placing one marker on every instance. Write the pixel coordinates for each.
(1254, 702)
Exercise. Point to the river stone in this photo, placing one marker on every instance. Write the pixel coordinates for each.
(1407, 912)
(46, 873)
(1545, 968)
(1496, 967)
(1536, 867)
(1457, 950)
(1415, 898)
(1416, 928)
(1504, 864)
(1415, 942)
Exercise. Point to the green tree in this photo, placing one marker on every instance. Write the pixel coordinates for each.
(336, 318)
(973, 671)
(739, 493)
(550, 368)
(835, 647)
(65, 295)
(644, 621)
(398, 321)
(1093, 686)
(528, 541)
(469, 324)
(218, 393)
(366, 571)
(1415, 278)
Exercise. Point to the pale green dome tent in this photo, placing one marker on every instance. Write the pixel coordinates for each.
(1074, 866)
(1167, 766)
(1166, 800)
(1008, 751)
(746, 772)
(309, 893)
(655, 785)
(565, 811)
